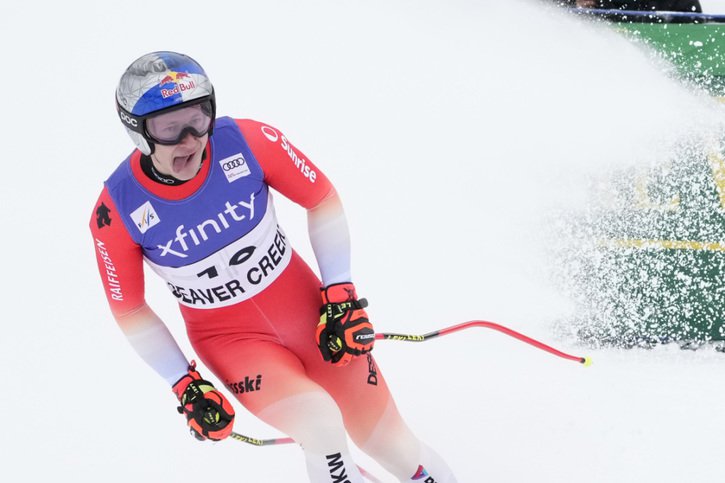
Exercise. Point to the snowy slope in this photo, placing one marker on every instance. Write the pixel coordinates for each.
(449, 128)
(713, 6)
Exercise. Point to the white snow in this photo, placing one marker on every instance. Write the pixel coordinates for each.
(713, 6)
(449, 128)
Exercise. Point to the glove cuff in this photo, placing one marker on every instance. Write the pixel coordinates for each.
(338, 293)
(180, 386)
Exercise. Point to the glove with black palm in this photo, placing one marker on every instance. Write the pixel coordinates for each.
(208, 413)
(344, 330)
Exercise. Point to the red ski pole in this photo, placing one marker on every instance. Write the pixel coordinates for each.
(586, 361)
(488, 325)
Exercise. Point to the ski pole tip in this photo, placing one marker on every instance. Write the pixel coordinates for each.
(587, 361)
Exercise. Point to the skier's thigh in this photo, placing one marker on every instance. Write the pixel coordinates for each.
(360, 392)
(258, 373)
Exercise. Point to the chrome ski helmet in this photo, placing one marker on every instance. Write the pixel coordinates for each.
(156, 83)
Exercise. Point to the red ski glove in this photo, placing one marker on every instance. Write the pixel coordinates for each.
(344, 330)
(208, 413)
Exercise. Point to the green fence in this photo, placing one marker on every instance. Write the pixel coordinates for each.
(696, 51)
(649, 266)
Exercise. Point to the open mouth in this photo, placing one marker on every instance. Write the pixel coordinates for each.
(181, 162)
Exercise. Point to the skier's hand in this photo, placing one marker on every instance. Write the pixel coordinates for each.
(344, 330)
(208, 413)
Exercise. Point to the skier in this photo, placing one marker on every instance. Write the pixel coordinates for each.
(193, 201)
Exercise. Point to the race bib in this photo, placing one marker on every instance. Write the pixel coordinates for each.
(233, 274)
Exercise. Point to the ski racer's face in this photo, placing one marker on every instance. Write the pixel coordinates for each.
(182, 160)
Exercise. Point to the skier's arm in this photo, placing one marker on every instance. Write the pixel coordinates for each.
(120, 264)
(344, 331)
(330, 239)
(289, 171)
(152, 341)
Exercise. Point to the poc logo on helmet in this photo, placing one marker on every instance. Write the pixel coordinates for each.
(235, 167)
(128, 119)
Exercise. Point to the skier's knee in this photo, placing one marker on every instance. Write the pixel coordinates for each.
(312, 419)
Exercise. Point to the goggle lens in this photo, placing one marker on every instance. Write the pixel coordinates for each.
(172, 127)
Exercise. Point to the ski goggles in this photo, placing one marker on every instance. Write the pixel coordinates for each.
(196, 117)
(171, 127)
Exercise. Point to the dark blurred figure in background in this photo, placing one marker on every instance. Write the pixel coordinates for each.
(664, 5)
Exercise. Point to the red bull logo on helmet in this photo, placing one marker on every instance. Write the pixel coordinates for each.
(181, 80)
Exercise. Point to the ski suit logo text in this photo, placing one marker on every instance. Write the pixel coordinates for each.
(299, 161)
(178, 245)
(249, 384)
(372, 371)
(338, 473)
(112, 283)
